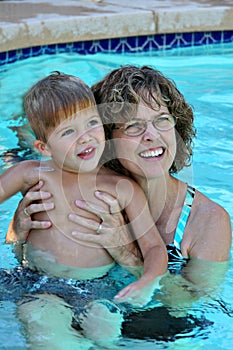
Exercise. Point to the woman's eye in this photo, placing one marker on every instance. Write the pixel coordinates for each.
(133, 126)
(162, 120)
(67, 132)
(166, 119)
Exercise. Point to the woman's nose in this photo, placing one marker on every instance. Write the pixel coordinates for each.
(151, 133)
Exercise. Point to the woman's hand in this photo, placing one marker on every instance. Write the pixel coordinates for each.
(112, 232)
(22, 223)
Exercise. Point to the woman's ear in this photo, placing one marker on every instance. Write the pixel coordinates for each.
(42, 148)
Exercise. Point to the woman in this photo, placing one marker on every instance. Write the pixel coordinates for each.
(152, 129)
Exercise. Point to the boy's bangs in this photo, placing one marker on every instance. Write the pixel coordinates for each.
(70, 107)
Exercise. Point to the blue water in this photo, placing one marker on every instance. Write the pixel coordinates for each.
(204, 76)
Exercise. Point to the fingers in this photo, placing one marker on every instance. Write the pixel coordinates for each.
(39, 207)
(110, 200)
(88, 223)
(28, 203)
(38, 186)
(91, 238)
(40, 225)
(124, 293)
(90, 207)
(35, 196)
(133, 295)
(111, 215)
(27, 208)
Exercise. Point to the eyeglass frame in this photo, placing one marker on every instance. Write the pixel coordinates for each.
(145, 122)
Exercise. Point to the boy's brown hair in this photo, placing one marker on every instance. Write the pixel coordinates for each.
(54, 99)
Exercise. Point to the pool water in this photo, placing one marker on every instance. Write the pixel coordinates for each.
(204, 76)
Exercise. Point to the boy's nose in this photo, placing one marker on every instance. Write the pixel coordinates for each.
(84, 138)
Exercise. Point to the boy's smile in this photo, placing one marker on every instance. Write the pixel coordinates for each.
(77, 144)
(86, 154)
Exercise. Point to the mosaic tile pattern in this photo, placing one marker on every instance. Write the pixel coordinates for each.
(121, 45)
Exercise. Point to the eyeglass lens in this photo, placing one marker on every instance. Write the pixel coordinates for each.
(137, 127)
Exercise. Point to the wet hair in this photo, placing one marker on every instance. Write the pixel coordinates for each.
(119, 93)
(53, 99)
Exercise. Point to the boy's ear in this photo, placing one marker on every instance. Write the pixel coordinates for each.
(42, 148)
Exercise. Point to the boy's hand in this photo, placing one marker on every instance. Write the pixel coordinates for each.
(137, 293)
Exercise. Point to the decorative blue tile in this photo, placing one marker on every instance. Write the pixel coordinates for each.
(37, 50)
(3, 57)
(227, 36)
(12, 56)
(26, 52)
(159, 42)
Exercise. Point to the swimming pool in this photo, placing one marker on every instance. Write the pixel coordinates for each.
(204, 75)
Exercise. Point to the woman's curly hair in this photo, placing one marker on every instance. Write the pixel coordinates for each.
(119, 93)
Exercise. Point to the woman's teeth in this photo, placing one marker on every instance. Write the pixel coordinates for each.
(152, 153)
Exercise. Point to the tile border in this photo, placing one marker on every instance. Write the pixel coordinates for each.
(156, 42)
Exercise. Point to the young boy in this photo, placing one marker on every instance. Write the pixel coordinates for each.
(64, 117)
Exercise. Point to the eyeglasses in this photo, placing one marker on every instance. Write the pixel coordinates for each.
(136, 127)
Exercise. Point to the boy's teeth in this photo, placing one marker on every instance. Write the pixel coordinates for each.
(88, 150)
(150, 154)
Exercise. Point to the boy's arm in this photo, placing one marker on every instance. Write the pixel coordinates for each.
(19, 178)
(152, 247)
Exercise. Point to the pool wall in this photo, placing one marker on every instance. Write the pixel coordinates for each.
(121, 45)
(31, 28)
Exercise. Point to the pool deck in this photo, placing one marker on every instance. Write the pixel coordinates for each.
(40, 22)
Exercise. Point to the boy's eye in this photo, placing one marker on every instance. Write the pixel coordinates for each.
(93, 122)
(67, 132)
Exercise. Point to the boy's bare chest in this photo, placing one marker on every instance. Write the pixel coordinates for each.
(67, 189)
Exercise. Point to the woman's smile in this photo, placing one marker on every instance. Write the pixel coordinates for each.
(152, 153)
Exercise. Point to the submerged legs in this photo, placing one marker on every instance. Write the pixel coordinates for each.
(47, 320)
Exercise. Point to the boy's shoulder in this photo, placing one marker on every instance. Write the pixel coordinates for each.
(118, 185)
(110, 176)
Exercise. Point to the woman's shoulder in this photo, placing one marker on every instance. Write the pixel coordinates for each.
(210, 229)
(206, 207)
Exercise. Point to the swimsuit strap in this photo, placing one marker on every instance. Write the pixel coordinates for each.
(184, 217)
